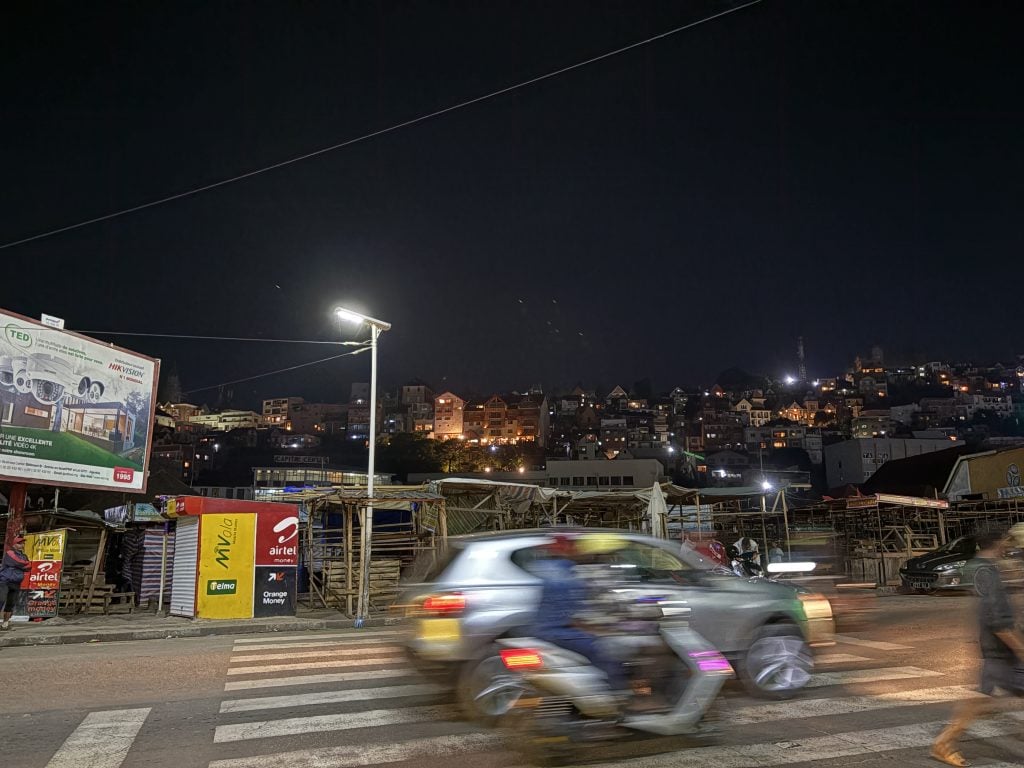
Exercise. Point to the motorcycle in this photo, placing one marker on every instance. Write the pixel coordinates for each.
(562, 701)
(743, 564)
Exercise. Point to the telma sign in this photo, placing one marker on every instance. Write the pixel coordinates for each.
(221, 587)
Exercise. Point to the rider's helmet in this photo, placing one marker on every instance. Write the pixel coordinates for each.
(594, 544)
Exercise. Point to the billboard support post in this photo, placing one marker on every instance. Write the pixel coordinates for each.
(15, 512)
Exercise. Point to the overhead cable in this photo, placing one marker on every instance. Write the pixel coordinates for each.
(216, 338)
(274, 373)
(380, 132)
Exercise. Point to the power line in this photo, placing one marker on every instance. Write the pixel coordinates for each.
(274, 373)
(382, 131)
(215, 338)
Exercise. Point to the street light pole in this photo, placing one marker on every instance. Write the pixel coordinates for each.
(366, 529)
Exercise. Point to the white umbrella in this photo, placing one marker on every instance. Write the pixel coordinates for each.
(657, 512)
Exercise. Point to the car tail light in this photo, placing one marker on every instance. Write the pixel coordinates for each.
(445, 604)
(521, 658)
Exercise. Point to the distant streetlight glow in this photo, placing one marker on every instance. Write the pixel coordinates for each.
(790, 380)
(766, 485)
(366, 529)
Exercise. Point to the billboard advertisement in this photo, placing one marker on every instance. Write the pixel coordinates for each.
(277, 555)
(73, 411)
(226, 545)
(41, 585)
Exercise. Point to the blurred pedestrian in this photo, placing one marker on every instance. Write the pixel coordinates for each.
(775, 553)
(13, 566)
(1002, 652)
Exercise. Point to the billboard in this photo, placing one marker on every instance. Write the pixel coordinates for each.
(73, 411)
(41, 585)
(277, 555)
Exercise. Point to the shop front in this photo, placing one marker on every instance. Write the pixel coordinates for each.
(233, 559)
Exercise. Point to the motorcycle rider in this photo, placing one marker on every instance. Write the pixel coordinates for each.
(566, 595)
(748, 546)
(742, 562)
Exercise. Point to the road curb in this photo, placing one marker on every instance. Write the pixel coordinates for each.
(20, 638)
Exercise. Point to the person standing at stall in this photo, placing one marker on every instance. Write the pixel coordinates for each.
(13, 567)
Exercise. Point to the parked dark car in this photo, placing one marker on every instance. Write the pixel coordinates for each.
(955, 566)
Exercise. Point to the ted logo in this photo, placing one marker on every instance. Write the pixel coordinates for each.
(123, 475)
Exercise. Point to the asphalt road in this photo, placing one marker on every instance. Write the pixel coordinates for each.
(335, 699)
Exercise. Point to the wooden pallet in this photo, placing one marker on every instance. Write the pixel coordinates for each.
(384, 576)
(75, 597)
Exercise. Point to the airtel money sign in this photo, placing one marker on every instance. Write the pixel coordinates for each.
(41, 585)
(277, 537)
(277, 555)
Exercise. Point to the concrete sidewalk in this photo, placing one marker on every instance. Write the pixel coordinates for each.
(148, 626)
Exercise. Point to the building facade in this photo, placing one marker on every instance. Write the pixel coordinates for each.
(448, 416)
(854, 461)
(604, 474)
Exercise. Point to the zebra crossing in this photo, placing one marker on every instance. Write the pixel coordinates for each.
(356, 689)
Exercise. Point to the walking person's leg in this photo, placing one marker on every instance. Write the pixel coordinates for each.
(944, 747)
(995, 674)
(6, 604)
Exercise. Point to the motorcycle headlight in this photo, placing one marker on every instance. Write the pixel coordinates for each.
(951, 566)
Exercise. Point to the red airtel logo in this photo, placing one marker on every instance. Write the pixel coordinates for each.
(284, 525)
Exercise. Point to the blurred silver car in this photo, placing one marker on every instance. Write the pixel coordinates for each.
(481, 588)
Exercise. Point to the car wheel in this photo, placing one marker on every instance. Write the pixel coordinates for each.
(778, 663)
(486, 689)
(984, 579)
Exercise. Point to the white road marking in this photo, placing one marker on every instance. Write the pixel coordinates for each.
(848, 744)
(838, 658)
(102, 740)
(800, 708)
(315, 665)
(337, 677)
(821, 679)
(370, 754)
(816, 748)
(364, 634)
(305, 644)
(342, 722)
(328, 697)
(878, 645)
(323, 654)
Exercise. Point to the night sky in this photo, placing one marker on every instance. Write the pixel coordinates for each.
(846, 171)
